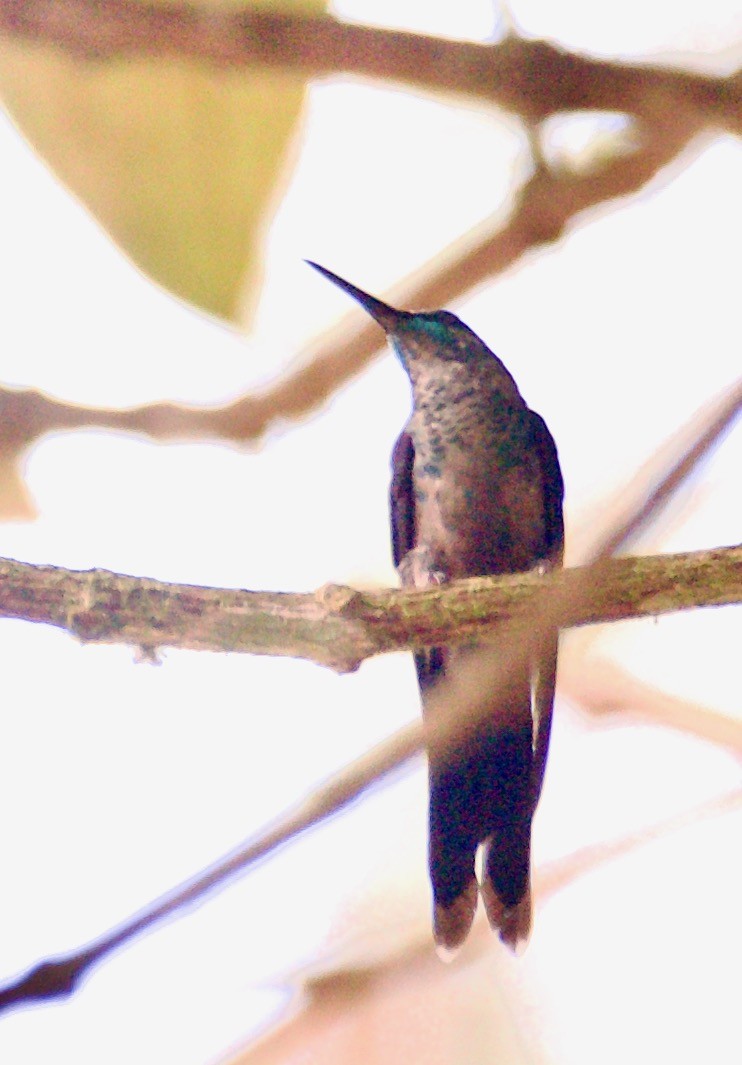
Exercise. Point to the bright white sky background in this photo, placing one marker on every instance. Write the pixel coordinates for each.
(118, 780)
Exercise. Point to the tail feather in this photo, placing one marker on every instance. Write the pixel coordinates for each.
(505, 888)
(452, 848)
(451, 924)
(506, 865)
(513, 923)
(483, 795)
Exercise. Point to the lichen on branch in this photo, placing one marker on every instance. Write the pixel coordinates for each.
(339, 627)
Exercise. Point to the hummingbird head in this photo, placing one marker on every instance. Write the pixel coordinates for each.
(418, 338)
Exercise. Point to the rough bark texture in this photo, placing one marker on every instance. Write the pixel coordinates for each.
(338, 626)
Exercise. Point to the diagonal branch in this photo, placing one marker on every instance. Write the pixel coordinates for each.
(545, 208)
(532, 78)
(455, 709)
(338, 626)
(297, 1034)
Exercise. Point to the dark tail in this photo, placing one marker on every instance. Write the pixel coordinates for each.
(483, 794)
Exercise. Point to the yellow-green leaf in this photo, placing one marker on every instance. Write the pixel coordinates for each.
(177, 159)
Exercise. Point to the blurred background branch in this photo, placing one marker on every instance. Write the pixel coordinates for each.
(348, 998)
(532, 78)
(544, 208)
(174, 125)
(453, 707)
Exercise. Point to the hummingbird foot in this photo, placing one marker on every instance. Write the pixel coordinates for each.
(451, 924)
(541, 568)
(544, 566)
(418, 570)
(513, 923)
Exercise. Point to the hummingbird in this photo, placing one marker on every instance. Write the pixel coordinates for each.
(476, 489)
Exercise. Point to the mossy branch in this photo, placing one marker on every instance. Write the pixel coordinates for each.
(338, 626)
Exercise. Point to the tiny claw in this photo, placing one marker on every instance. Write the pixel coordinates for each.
(418, 570)
(544, 566)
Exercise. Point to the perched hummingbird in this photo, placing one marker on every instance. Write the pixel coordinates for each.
(476, 489)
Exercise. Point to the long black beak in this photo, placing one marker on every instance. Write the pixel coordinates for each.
(387, 317)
